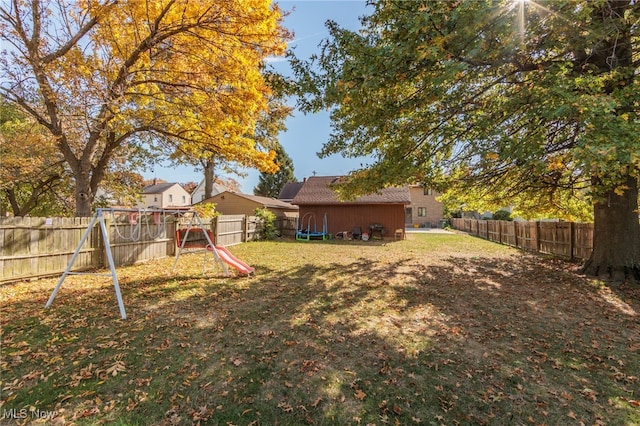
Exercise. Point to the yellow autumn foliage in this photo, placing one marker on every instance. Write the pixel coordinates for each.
(187, 74)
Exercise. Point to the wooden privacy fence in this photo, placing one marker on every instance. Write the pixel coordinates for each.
(33, 247)
(567, 239)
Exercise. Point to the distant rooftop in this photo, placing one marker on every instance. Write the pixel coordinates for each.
(290, 190)
(317, 190)
(158, 188)
(264, 201)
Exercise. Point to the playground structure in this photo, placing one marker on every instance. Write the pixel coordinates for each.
(307, 234)
(134, 216)
(203, 239)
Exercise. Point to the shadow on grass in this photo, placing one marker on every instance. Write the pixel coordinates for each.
(332, 337)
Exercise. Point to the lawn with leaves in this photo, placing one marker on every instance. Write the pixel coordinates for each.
(436, 329)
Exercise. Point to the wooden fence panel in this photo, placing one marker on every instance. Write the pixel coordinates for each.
(555, 238)
(142, 240)
(230, 230)
(526, 235)
(567, 239)
(35, 247)
(467, 224)
(583, 240)
(253, 228)
(39, 247)
(473, 227)
(493, 231)
(483, 229)
(507, 232)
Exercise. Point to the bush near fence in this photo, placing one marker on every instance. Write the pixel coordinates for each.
(566, 239)
(34, 247)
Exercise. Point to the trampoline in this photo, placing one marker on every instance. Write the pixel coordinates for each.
(310, 232)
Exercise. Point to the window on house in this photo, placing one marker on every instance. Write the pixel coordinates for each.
(170, 198)
(155, 198)
(428, 191)
(422, 211)
(184, 198)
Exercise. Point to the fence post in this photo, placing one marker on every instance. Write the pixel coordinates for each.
(515, 233)
(216, 229)
(572, 238)
(245, 228)
(538, 242)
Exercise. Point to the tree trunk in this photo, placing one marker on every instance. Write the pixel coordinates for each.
(13, 201)
(616, 236)
(209, 178)
(88, 177)
(83, 196)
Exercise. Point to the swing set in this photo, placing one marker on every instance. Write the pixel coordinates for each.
(194, 226)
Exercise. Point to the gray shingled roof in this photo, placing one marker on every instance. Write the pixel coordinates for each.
(290, 190)
(316, 190)
(157, 188)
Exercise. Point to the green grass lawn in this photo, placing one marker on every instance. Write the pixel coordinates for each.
(436, 329)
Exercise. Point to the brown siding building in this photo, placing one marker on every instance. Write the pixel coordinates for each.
(236, 203)
(382, 210)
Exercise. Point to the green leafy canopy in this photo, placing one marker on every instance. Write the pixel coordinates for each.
(505, 102)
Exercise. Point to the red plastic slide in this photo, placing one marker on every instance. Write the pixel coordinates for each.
(226, 255)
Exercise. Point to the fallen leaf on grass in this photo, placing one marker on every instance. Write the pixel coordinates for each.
(590, 394)
(359, 395)
(284, 406)
(116, 368)
(634, 402)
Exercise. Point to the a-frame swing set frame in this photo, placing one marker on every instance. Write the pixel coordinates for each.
(99, 217)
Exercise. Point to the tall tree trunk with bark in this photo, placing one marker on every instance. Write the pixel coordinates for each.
(83, 195)
(616, 237)
(209, 178)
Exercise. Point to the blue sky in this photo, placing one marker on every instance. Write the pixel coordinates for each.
(305, 134)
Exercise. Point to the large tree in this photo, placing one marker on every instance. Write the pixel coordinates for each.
(509, 100)
(33, 180)
(269, 124)
(109, 77)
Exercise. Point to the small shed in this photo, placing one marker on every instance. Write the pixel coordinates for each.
(229, 203)
(378, 214)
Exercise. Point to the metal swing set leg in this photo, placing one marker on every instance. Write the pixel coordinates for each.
(98, 216)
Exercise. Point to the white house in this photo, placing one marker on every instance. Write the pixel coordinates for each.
(198, 194)
(164, 196)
